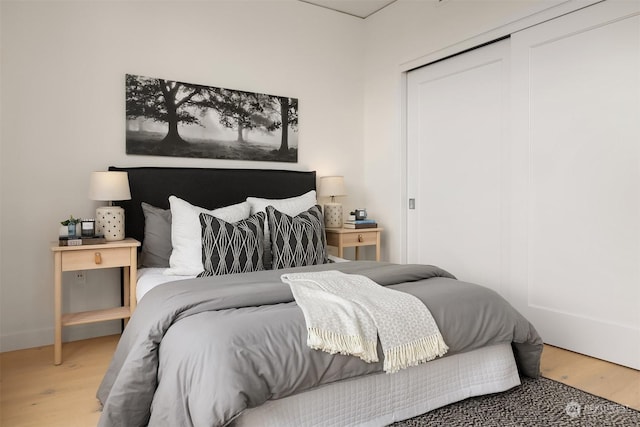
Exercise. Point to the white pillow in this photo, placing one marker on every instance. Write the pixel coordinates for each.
(291, 206)
(186, 239)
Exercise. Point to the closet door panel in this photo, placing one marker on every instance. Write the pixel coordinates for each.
(575, 269)
(456, 127)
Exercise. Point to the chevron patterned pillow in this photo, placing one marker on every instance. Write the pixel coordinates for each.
(299, 240)
(232, 247)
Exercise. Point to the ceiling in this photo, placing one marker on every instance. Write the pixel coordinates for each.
(359, 8)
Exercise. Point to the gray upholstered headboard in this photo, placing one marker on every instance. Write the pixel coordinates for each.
(208, 188)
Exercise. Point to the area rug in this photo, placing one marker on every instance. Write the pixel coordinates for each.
(539, 402)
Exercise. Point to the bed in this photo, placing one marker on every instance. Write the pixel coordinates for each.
(231, 349)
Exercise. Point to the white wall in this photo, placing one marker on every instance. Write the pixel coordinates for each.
(405, 35)
(62, 100)
(62, 83)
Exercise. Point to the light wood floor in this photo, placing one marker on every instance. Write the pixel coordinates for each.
(34, 392)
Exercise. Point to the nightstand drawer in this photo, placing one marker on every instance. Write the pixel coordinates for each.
(96, 258)
(360, 238)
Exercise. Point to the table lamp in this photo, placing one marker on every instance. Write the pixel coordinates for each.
(332, 186)
(109, 186)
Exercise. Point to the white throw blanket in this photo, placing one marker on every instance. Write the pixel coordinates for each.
(345, 313)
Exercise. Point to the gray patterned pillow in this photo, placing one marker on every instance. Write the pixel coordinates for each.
(232, 247)
(297, 241)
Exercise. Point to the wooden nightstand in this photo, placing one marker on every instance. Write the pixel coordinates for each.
(354, 238)
(122, 253)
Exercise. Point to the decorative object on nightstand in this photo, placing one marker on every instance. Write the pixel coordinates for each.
(88, 227)
(110, 186)
(332, 186)
(358, 219)
(70, 225)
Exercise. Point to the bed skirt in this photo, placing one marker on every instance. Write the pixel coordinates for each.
(381, 399)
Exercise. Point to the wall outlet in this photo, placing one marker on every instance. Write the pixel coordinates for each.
(81, 277)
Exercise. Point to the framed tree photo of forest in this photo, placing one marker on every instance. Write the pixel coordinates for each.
(172, 118)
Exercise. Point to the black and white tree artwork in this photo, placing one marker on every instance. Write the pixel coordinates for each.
(171, 118)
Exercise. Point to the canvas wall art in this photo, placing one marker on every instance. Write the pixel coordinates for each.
(172, 118)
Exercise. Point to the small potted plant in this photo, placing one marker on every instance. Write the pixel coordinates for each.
(71, 225)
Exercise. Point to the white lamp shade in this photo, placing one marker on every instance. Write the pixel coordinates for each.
(108, 186)
(331, 186)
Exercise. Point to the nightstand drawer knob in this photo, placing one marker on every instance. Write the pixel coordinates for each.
(360, 238)
(98, 258)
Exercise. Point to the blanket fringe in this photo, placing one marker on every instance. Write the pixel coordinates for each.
(331, 342)
(414, 353)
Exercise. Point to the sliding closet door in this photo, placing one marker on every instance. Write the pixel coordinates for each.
(575, 270)
(456, 132)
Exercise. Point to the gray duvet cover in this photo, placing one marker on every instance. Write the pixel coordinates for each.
(200, 351)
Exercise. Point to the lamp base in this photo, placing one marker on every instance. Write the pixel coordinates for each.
(110, 222)
(333, 215)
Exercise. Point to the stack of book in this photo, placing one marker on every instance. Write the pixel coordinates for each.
(79, 241)
(360, 223)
